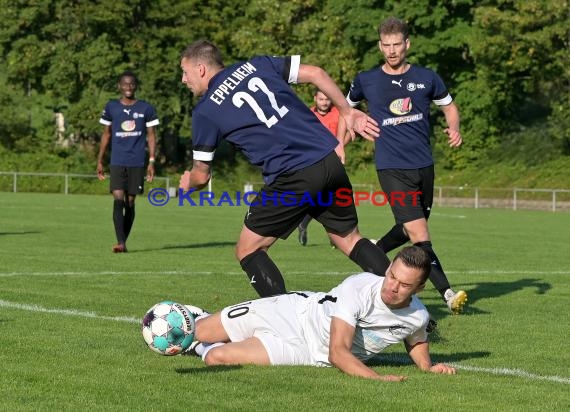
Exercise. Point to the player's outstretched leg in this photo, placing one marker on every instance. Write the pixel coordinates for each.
(369, 257)
(196, 348)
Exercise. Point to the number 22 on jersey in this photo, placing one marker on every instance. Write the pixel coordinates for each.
(255, 84)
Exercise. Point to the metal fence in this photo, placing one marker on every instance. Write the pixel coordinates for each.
(58, 182)
(554, 200)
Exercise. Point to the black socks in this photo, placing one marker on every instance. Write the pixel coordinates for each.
(119, 220)
(263, 274)
(129, 219)
(123, 218)
(369, 257)
(395, 238)
(437, 276)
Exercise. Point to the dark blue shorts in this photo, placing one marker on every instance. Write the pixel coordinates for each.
(128, 179)
(279, 207)
(401, 184)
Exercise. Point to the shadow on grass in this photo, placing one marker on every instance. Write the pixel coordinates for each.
(28, 232)
(402, 359)
(185, 246)
(485, 290)
(208, 369)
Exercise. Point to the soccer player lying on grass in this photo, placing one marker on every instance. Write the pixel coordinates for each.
(344, 327)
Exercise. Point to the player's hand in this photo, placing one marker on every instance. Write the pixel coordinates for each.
(392, 378)
(361, 123)
(443, 368)
(455, 139)
(185, 181)
(150, 172)
(100, 173)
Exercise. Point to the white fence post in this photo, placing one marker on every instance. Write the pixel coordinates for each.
(476, 198)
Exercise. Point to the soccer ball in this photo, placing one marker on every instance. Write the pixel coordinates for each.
(168, 328)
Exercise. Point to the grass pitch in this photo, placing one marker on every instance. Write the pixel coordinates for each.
(70, 310)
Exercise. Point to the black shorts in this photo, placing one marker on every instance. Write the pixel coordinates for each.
(279, 207)
(129, 179)
(410, 192)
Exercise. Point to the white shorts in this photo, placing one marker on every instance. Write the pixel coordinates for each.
(274, 322)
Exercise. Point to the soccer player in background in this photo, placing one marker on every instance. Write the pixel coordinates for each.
(128, 125)
(252, 106)
(328, 116)
(344, 328)
(399, 95)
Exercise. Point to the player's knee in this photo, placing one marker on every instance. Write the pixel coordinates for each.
(216, 356)
(243, 249)
(238, 253)
(200, 331)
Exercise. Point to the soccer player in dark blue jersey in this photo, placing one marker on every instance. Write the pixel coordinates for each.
(399, 96)
(251, 105)
(128, 125)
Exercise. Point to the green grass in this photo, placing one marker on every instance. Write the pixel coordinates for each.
(69, 339)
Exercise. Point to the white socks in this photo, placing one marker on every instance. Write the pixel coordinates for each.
(203, 348)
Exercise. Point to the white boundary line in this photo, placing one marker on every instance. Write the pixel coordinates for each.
(494, 371)
(447, 215)
(66, 312)
(513, 372)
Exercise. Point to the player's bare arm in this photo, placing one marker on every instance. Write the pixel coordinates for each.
(420, 355)
(105, 137)
(451, 113)
(342, 133)
(339, 150)
(356, 121)
(198, 177)
(342, 335)
(151, 139)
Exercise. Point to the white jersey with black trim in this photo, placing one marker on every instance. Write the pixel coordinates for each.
(357, 301)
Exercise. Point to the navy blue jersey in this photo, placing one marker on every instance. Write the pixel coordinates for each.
(252, 106)
(401, 106)
(128, 131)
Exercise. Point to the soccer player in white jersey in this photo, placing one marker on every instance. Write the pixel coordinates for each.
(343, 328)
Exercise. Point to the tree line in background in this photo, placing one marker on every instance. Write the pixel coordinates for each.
(506, 62)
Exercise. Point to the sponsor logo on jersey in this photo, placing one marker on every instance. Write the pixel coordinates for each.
(401, 106)
(394, 121)
(397, 330)
(398, 83)
(128, 125)
(413, 86)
